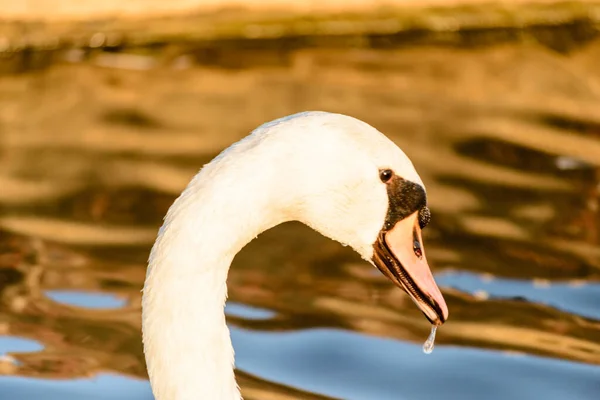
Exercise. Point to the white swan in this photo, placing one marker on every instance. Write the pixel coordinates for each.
(332, 172)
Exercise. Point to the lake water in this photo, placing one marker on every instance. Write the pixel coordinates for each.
(95, 145)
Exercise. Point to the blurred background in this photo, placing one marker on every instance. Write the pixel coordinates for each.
(107, 109)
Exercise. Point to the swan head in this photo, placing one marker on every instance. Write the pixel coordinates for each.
(349, 182)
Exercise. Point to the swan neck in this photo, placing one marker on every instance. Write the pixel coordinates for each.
(186, 340)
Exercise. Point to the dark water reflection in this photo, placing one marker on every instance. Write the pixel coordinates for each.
(506, 139)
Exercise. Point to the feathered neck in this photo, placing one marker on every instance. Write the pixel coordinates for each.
(186, 340)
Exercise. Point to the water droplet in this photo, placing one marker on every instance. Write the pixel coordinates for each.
(430, 342)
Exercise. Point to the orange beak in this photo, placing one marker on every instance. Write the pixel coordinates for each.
(399, 254)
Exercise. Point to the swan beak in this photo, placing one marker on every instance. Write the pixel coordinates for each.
(399, 254)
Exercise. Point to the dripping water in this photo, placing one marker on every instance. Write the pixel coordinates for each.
(430, 342)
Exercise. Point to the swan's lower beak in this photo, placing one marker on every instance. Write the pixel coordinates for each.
(399, 255)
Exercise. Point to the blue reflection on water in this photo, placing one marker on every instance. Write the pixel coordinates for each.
(582, 300)
(248, 312)
(101, 387)
(347, 365)
(13, 344)
(86, 299)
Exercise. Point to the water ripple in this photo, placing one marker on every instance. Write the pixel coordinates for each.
(86, 299)
(578, 297)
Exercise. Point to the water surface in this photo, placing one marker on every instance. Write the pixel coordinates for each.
(506, 138)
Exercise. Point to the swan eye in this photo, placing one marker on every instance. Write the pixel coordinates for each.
(424, 217)
(385, 175)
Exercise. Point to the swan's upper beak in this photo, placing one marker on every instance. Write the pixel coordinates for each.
(399, 254)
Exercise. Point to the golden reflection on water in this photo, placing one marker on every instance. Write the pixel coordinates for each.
(91, 157)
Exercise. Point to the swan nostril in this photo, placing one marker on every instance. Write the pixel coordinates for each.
(417, 249)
